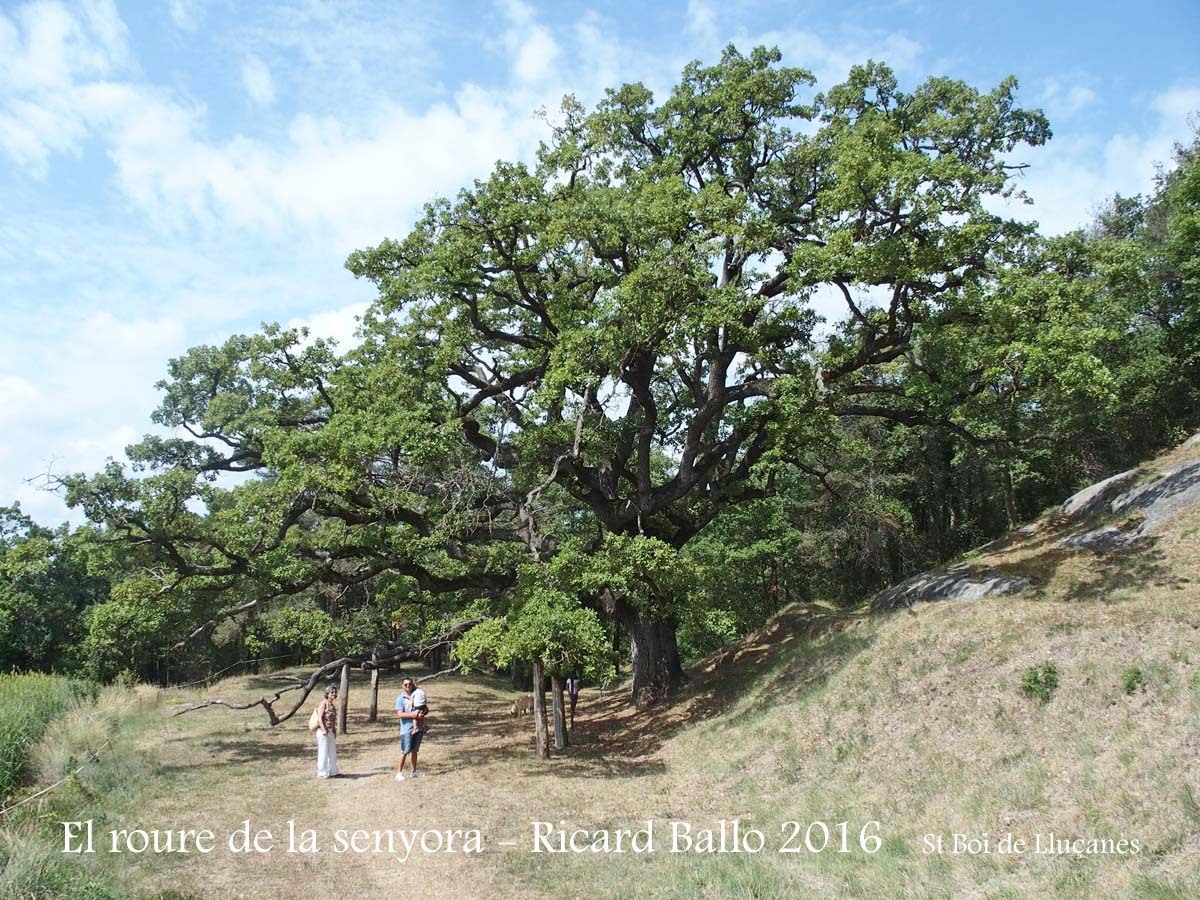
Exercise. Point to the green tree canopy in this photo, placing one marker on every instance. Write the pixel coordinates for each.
(603, 349)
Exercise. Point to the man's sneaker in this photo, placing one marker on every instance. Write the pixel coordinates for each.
(399, 776)
(418, 774)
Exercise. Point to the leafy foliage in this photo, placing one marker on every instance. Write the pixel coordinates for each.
(549, 626)
(1040, 682)
(45, 587)
(1133, 679)
(305, 632)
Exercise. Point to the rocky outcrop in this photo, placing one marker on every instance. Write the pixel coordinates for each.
(955, 583)
(1096, 497)
(1098, 540)
(1146, 507)
(1158, 501)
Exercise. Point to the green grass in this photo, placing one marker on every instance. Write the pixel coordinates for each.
(28, 703)
(89, 739)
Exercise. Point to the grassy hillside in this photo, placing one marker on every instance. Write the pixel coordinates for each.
(917, 720)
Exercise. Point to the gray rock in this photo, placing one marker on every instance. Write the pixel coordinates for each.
(957, 583)
(1193, 442)
(1158, 501)
(1100, 540)
(1175, 490)
(1094, 498)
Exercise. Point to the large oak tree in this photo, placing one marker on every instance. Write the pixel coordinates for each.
(595, 353)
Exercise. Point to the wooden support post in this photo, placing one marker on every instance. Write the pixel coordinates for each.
(343, 698)
(542, 738)
(560, 719)
(373, 711)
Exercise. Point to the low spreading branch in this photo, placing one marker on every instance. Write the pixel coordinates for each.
(364, 661)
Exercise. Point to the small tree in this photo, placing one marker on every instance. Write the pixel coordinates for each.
(552, 632)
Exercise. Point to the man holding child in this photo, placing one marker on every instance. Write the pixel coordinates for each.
(411, 709)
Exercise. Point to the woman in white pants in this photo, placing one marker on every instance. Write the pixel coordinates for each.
(327, 766)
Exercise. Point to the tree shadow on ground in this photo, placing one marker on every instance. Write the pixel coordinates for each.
(1100, 576)
(1133, 568)
(236, 750)
(782, 662)
(625, 740)
(803, 646)
(1040, 558)
(270, 683)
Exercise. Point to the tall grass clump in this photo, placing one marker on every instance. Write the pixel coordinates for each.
(28, 703)
(90, 739)
(32, 868)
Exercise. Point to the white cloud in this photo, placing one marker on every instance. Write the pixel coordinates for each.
(105, 333)
(532, 46)
(186, 14)
(1072, 176)
(19, 398)
(357, 178)
(30, 133)
(72, 408)
(1061, 99)
(46, 50)
(39, 504)
(830, 60)
(233, 224)
(46, 45)
(1178, 104)
(342, 56)
(536, 55)
(356, 183)
(256, 78)
(339, 325)
(82, 454)
(702, 22)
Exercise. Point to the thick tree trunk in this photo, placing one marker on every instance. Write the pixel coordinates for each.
(373, 711)
(654, 658)
(653, 653)
(560, 717)
(542, 738)
(343, 698)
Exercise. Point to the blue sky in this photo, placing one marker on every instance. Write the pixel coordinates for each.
(175, 172)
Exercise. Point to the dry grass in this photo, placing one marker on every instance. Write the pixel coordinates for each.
(84, 731)
(915, 719)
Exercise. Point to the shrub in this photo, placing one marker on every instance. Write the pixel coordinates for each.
(1132, 679)
(1039, 682)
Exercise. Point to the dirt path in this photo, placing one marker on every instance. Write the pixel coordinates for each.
(216, 768)
(219, 768)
